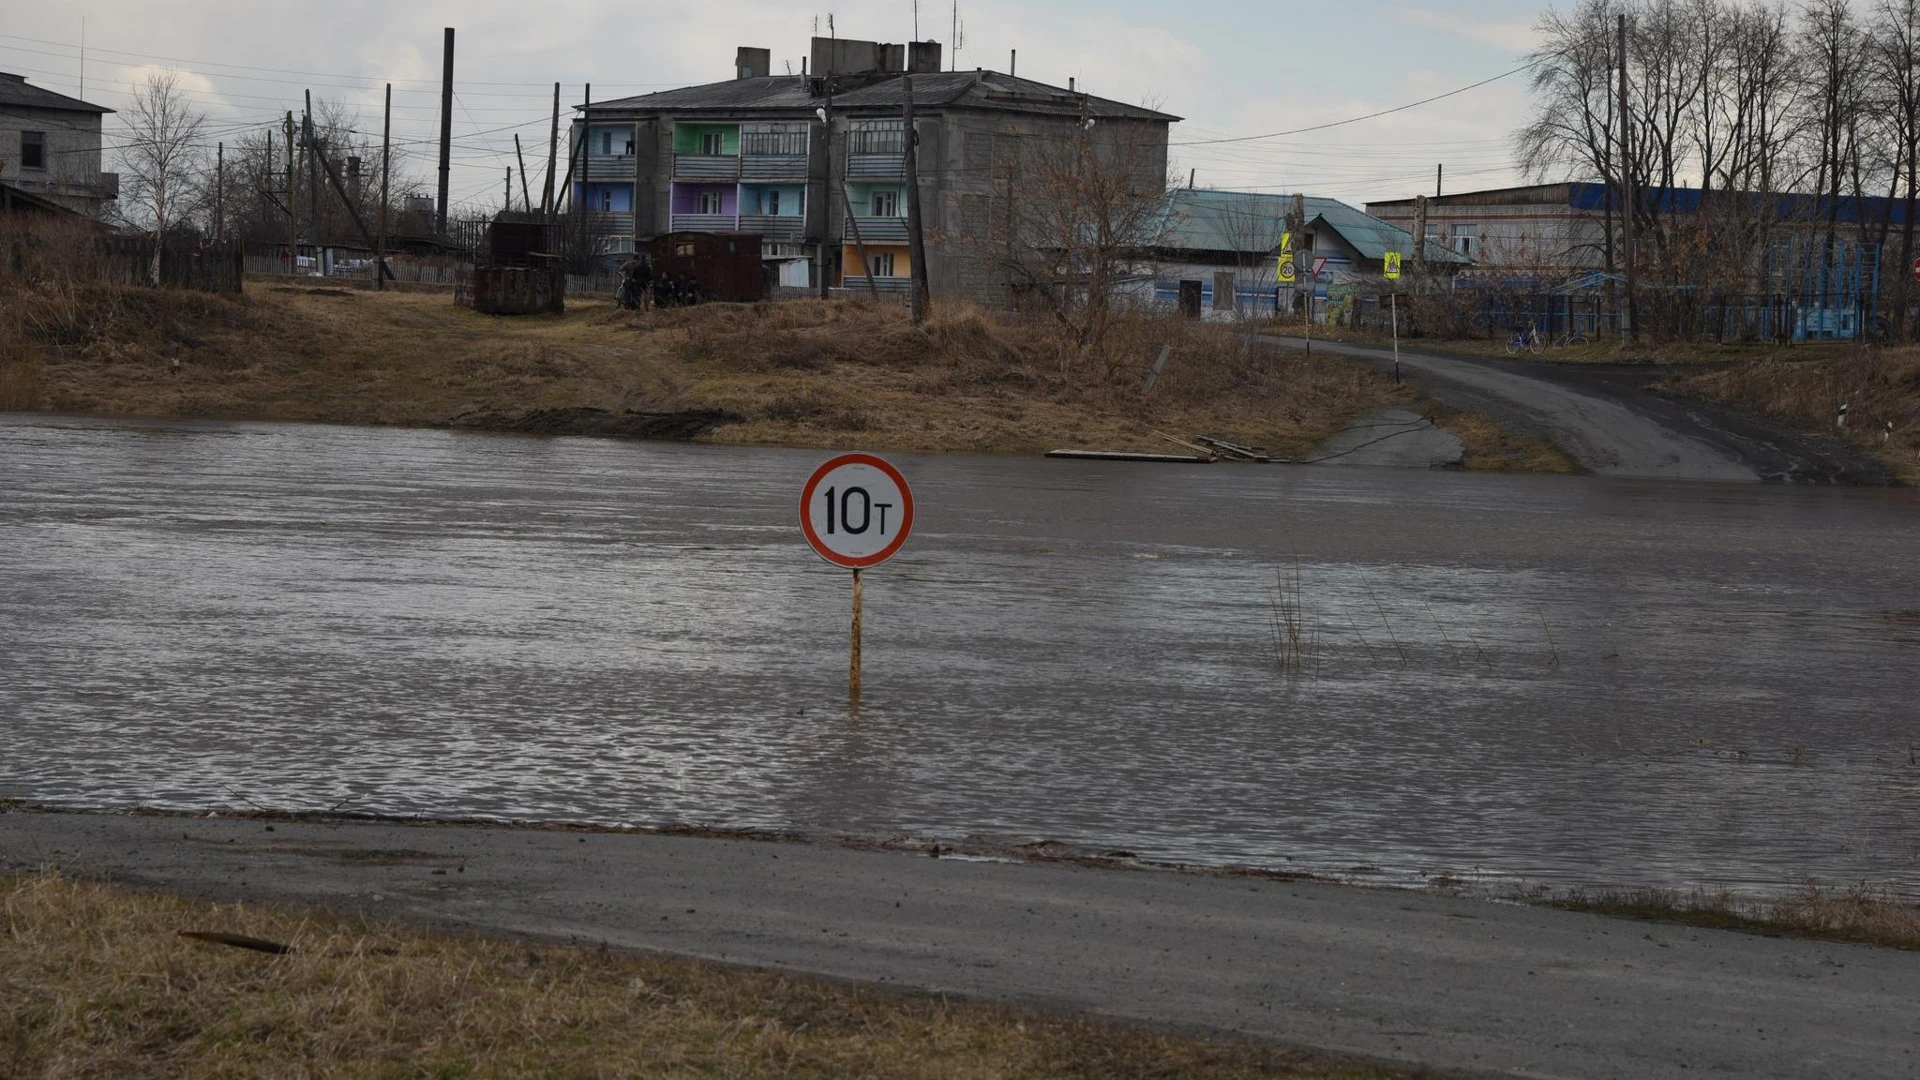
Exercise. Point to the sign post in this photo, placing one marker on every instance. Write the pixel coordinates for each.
(856, 512)
(1390, 267)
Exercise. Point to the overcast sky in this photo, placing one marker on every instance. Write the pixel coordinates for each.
(1230, 67)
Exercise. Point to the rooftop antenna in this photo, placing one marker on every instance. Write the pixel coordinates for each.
(83, 56)
(916, 20)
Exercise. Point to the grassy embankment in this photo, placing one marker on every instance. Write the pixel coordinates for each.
(1859, 915)
(804, 373)
(1799, 385)
(97, 981)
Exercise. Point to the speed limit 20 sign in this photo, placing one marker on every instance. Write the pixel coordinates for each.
(856, 511)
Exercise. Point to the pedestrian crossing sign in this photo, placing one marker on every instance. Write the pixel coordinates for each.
(1391, 265)
(1286, 243)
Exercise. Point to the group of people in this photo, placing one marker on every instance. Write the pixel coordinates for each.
(640, 288)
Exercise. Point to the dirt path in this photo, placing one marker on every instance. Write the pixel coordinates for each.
(1449, 983)
(1611, 424)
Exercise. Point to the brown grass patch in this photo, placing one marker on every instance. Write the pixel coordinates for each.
(1878, 385)
(801, 373)
(97, 981)
(1493, 448)
(1861, 915)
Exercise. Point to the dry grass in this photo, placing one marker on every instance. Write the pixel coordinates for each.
(1878, 385)
(804, 373)
(1493, 448)
(1861, 915)
(96, 981)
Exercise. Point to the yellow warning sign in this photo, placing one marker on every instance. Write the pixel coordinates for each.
(1286, 269)
(1286, 243)
(1391, 264)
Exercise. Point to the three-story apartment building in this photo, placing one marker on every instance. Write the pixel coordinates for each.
(815, 163)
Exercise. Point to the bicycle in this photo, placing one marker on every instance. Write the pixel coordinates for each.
(1528, 340)
(1569, 339)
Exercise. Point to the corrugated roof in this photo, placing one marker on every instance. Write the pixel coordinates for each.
(17, 92)
(1207, 220)
(945, 89)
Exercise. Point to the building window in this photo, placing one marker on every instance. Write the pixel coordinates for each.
(886, 204)
(606, 201)
(712, 143)
(33, 149)
(1464, 237)
(883, 264)
(606, 142)
(877, 137)
(773, 203)
(710, 202)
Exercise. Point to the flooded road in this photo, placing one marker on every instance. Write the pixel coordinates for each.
(1569, 681)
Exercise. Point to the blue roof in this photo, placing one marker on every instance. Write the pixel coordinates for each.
(1210, 220)
(1871, 209)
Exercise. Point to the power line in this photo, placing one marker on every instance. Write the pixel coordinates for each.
(1371, 115)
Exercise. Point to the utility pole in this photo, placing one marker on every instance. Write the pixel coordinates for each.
(525, 198)
(553, 155)
(586, 152)
(506, 192)
(916, 240)
(220, 195)
(1303, 267)
(826, 210)
(1627, 196)
(1419, 240)
(386, 174)
(313, 173)
(446, 130)
(293, 219)
(340, 189)
(1439, 179)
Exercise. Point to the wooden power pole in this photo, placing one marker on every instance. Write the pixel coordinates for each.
(386, 175)
(525, 199)
(916, 240)
(446, 130)
(553, 156)
(293, 217)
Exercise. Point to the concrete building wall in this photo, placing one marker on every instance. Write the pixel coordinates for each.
(1517, 236)
(71, 173)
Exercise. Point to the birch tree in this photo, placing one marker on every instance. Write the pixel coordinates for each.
(161, 156)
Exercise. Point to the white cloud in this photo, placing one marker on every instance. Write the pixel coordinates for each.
(1517, 36)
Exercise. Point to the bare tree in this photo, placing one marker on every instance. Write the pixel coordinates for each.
(1895, 34)
(1095, 212)
(1253, 227)
(161, 157)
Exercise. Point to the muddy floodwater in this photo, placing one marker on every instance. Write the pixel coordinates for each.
(1519, 680)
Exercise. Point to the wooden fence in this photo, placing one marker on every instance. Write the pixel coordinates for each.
(128, 260)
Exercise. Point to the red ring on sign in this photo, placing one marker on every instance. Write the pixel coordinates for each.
(806, 518)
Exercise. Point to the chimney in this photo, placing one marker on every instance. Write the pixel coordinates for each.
(749, 63)
(893, 59)
(923, 58)
(1070, 82)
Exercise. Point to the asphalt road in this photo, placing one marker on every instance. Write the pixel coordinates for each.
(1447, 983)
(1606, 419)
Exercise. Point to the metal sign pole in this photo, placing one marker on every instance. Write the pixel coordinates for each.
(853, 665)
(1393, 305)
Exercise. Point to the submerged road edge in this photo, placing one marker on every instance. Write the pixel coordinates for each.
(1416, 978)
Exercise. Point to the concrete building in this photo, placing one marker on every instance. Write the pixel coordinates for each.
(1543, 226)
(50, 150)
(813, 163)
(1227, 243)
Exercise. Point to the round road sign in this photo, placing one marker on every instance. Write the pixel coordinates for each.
(856, 511)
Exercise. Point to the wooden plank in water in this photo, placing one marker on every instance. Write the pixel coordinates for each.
(1121, 455)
